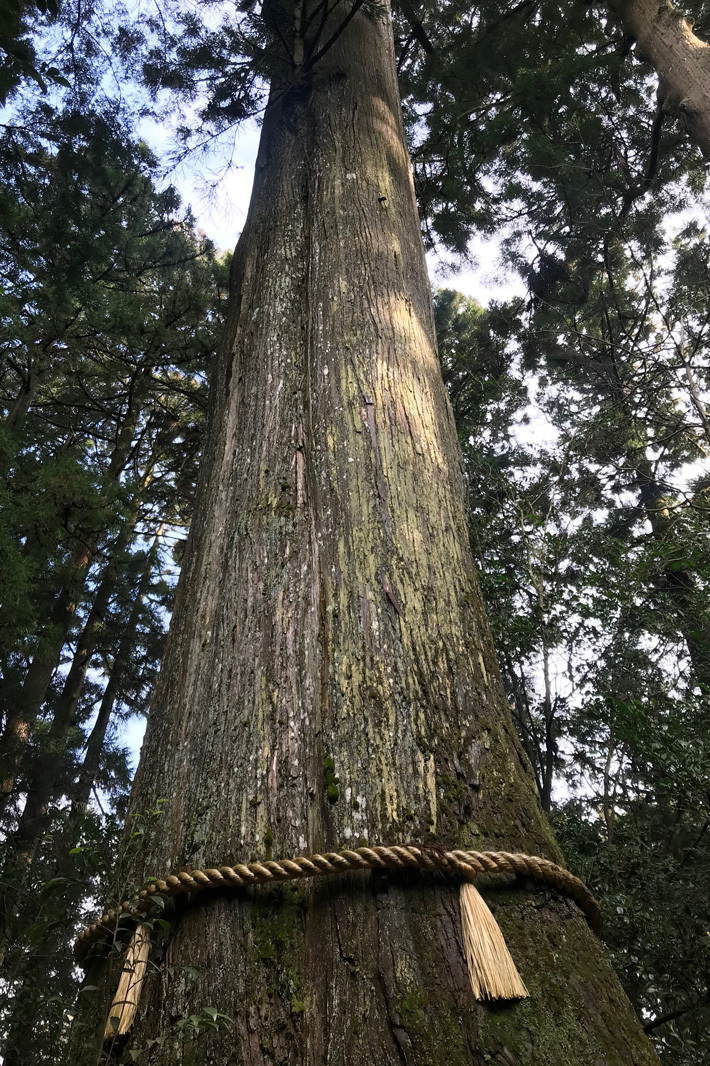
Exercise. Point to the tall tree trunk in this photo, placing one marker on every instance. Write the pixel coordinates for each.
(43, 777)
(329, 676)
(21, 709)
(46, 777)
(37, 354)
(33, 965)
(21, 404)
(686, 602)
(88, 770)
(666, 40)
(23, 706)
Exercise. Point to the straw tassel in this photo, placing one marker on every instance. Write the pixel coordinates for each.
(128, 994)
(490, 966)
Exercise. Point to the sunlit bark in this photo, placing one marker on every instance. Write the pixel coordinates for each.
(329, 676)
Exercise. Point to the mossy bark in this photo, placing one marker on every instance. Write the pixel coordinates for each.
(329, 676)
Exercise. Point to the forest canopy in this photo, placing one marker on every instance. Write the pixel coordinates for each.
(546, 134)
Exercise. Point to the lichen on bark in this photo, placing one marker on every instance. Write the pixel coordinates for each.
(329, 676)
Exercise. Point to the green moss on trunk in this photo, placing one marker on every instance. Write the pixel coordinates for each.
(328, 616)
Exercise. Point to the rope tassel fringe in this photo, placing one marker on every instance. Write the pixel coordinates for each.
(128, 994)
(491, 969)
(493, 973)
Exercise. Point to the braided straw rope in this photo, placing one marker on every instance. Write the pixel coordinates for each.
(465, 864)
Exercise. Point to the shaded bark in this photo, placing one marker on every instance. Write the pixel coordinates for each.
(23, 706)
(19, 407)
(33, 964)
(680, 578)
(44, 778)
(665, 39)
(329, 676)
(37, 354)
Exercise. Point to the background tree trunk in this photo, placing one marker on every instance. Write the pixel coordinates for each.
(329, 677)
(47, 776)
(23, 708)
(80, 791)
(666, 40)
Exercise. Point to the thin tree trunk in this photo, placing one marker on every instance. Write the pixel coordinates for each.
(679, 574)
(19, 408)
(88, 770)
(329, 676)
(34, 964)
(21, 404)
(47, 776)
(22, 708)
(665, 39)
(44, 777)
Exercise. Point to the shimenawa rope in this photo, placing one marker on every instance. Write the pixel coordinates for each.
(465, 864)
(492, 971)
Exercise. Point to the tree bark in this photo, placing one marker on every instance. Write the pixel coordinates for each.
(329, 677)
(19, 407)
(23, 706)
(665, 39)
(681, 591)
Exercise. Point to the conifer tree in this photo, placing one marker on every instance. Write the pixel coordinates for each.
(109, 308)
(329, 673)
(533, 123)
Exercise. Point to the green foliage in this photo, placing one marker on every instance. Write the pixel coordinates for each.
(593, 544)
(589, 513)
(581, 409)
(19, 59)
(208, 1018)
(108, 311)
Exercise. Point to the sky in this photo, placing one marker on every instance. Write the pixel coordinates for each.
(220, 201)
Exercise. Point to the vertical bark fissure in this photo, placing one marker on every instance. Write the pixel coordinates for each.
(665, 39)
(301, 703)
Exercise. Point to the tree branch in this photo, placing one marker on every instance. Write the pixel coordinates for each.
(416, 26)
